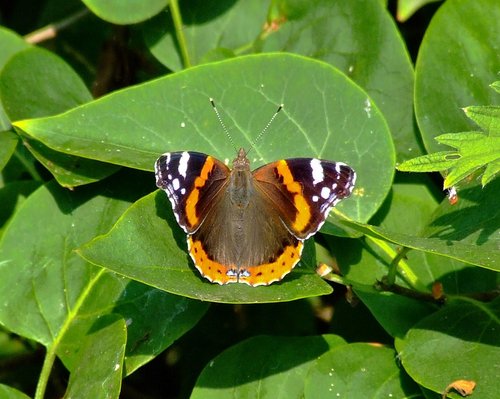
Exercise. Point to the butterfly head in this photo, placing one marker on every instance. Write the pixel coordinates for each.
(241, 161)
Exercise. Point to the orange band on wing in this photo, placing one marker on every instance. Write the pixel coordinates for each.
(275, 271)
(213, 271)
(193, 198)
(264, 274)
(303, 216)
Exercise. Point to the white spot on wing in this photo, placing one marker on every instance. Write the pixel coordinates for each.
(315, 198)
(325, 192)
(317, 171)
(176, 184)
(183, 164)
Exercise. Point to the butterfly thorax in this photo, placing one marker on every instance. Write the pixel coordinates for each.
(240, 182)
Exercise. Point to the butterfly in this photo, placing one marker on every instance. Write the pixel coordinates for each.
(245, 226)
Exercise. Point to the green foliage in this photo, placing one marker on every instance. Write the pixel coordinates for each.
(94, 271)
(474, 150)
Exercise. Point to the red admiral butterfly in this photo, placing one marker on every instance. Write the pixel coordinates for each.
(245, 226)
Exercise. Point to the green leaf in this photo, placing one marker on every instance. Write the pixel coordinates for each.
(486, 117)
(359, 38)
(467, 231)
(124, 12)
(461, 341)
(406, 8)
(359, 371)
(263, 367)
(8, 143)
(7, 392)
(10, 43)
(474, 151)
(12, 195)
(53, 89)
(99, 369)
(435, 162)
(62, 295)
(395, 313)
(154, 252)
(446, 84)
(324, 115)
(492, 169)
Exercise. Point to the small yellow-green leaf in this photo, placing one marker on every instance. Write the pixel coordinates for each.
(486, 117)
(490, 172)
(431, 162)
(406, 8)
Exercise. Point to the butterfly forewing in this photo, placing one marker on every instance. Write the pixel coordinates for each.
(304, 190)
(191, 180)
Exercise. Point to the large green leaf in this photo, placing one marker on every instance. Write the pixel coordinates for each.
(12, 195)
(324, 115)
(99, 369)
(152, 252)
(460, 342)
(10, 43)
(359, 371)
(62, 295)
(53, 89)
(11, 393)
(457, 61)
(407, 211)
(358, 37)
(466, 231)
(263, 367)
(125, 11)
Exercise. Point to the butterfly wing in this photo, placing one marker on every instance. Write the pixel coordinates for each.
(304, 190)
(191, 180)
(247, 244)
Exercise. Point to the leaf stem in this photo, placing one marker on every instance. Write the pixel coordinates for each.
(179, 32)
(397, 263)
(48, 362)
(393, 267)
(52, 348)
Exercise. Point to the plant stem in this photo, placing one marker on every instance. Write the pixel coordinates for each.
(50, 31)
(179, 32)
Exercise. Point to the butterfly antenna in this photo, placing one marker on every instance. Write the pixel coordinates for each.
(266, 127)
(222, 122)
